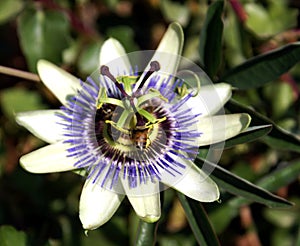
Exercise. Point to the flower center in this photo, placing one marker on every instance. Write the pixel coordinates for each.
(137, 134)
(130, 124)
(134, 128)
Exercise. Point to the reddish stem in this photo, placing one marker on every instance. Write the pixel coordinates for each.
(287, 78)
(76, 23)
(239, 10)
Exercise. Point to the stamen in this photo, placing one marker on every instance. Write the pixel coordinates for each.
(154, 66)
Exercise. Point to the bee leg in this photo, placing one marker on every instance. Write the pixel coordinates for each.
(148, 143)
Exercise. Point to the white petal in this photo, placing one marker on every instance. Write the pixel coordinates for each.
(97, 205)
(221, 127)
(145, 200)
(210, 99)
(42, 123)
(171, 43)
(168, 52)
(49, 159)
(196, 184)
(147, 207)
(61, 83)
(113, 51)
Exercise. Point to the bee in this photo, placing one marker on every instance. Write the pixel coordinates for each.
(142, 130)
(140, 137)
(137, 135)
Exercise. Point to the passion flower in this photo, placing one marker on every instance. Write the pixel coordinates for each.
(131, 133)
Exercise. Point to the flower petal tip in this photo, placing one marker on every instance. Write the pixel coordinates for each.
(177, 28)
(112, 44)
(27, 162)
(43, 66)
(89, 226)
(61, 83)
(212, 196)
(245, 120)
(150, 218)
(42, 124)
(97, 205)
(42, 62)
(112, 50)
(26, 165)
(225, 91)
(197, 185)
(49, 159)
(146, 207)
(91, 222)
(174, 36)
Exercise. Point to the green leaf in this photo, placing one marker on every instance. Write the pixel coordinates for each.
(252, 133)
(198, 220)
(174, 11)
(272, 182)
(146, 234)
(9, 9)
(281, 177)
(277, 138)
(222, 216)
(281, 96)
(15, 100)
(89, 59)
(107, 235)
(297, 240)
(43, 34)
(239, 186)
(264, 68)
(281, 218)
(275, 180)
(211, 38)
(125, 35)
(266, 22)
(9, 236)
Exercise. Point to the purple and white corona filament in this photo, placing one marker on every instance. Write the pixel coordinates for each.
(133, 134)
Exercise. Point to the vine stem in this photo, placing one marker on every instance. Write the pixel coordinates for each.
(19, 73)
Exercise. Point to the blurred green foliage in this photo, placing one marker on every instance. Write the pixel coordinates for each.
(251, 44)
